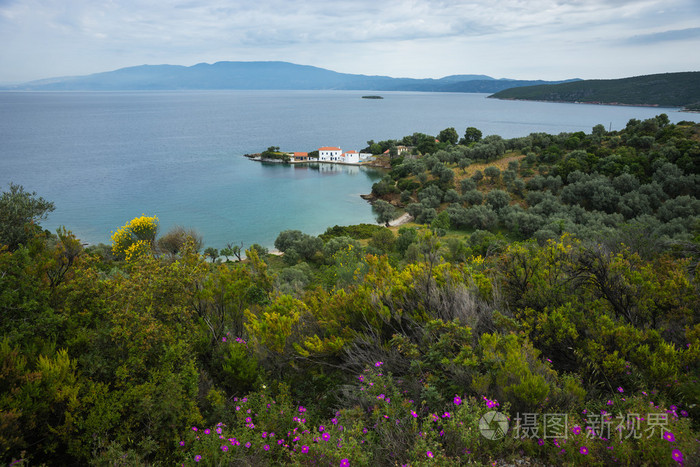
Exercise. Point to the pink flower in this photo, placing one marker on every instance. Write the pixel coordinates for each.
(266, 447)
(677, 456)
(668, 436)
(223, 339)
(583, 450)
(457, 400)
(576, 430)
(321, 428)
(344, 463)
(304, 449)
(619, 389)
(224, 448)
(198, 458)
(326, 436)
(378, 364)
(182, 443)
(429, 454)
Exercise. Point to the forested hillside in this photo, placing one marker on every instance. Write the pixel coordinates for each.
(665, 90)
(552, 279)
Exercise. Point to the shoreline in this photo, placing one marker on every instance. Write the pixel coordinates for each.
(614, 104)
(404, 218)
(277, 161)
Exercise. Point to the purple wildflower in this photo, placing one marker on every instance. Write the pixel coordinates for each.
(677, 456)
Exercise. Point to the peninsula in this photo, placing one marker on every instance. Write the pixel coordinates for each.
(659, 90)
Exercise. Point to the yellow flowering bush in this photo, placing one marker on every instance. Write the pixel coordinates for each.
(135, 238)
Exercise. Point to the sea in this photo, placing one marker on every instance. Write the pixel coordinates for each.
(104, 158)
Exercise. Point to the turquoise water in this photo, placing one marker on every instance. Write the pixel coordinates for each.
(104, 158)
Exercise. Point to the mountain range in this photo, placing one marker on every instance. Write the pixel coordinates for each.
(263, 75)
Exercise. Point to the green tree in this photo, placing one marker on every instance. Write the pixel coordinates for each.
(493, 173)
(448, 135)
(471, 135)
(19, 213)
(441, 221)
(175, 239)
(383, 240)
(232, 250)
(212, 253)
(498, 199)
(481, 217)
(384, 211)
(473, 197)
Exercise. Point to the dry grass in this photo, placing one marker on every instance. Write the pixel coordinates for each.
(502, 164)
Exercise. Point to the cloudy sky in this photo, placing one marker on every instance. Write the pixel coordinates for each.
(523, 39)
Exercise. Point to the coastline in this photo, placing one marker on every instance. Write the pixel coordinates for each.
(616, 104)
(277, 161)
(405, 218)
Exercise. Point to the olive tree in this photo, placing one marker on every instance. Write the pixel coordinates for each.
(20, 212)
(384, 211)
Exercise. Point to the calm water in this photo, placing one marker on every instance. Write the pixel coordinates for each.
(104, 158)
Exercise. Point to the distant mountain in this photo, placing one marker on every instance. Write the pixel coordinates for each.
(665, 90)
(260, 75)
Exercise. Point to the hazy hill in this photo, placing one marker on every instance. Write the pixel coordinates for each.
(260, 75)
(666, 90)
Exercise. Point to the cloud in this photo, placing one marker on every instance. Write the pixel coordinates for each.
(665, 36)
(419, 38)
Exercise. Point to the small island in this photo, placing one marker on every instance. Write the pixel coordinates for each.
(372, 97)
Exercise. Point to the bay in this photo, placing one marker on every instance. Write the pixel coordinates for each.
(106, 157)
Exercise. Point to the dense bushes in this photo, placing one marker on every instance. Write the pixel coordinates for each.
(362, 346)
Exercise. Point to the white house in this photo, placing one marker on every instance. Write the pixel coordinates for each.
(330, 154)
(351, 157)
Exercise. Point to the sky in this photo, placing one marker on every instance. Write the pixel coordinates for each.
(518, 39)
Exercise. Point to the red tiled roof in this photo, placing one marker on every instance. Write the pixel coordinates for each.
(301, 154)
(329, 149)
